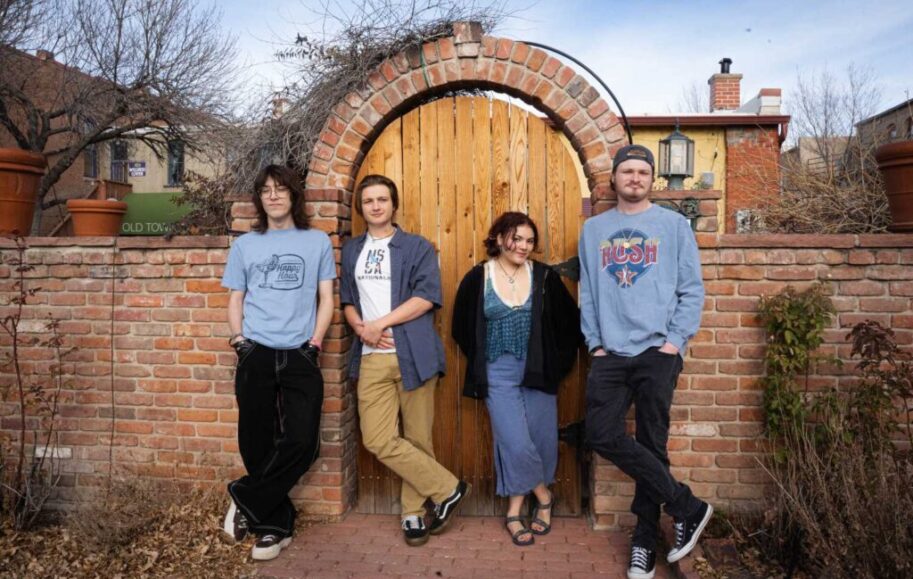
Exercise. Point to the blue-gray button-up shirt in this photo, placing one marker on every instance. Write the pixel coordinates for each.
(414, 272)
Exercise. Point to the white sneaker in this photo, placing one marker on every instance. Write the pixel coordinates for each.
(235, 524)
(268, 547)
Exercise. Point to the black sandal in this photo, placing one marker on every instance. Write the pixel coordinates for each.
(515, 536)
(546, 527)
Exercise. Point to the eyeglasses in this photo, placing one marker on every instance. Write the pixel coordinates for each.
(278, 192)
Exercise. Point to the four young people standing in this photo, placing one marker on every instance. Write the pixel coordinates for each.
(515, 322)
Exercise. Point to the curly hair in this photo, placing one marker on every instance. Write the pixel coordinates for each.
(505, 226)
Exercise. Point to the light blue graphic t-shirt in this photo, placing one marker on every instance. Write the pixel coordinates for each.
(279, 270)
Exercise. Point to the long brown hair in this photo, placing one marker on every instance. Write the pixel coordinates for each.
(282, 177)
(505, 226)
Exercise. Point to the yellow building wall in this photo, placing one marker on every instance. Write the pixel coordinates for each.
(709, 152)
(709, 156)
(156, 179)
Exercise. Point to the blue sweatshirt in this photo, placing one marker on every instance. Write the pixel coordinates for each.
(640, 281)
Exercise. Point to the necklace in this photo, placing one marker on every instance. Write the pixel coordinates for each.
(510, 278)
(372, 238)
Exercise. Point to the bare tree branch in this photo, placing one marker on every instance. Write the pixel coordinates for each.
(122, 69)
(334, 59)
(830, 182)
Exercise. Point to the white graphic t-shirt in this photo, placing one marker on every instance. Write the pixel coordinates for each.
(279, 272)
(372, 277)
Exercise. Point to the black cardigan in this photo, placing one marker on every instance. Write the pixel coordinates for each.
(554, 336)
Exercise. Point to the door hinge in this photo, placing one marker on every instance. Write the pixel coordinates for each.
(574, 434)
(569, 268)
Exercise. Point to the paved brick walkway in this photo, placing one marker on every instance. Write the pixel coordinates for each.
(372, 546)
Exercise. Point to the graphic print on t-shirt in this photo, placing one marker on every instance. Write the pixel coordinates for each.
(628, 255)
(282, 272)
(374, 261)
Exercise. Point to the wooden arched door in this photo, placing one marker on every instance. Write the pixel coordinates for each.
(459, 162)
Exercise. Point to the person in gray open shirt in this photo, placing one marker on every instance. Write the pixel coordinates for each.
(390, 286)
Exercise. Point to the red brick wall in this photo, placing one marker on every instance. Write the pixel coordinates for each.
(716, 417)
(752, 170)
(173, 371)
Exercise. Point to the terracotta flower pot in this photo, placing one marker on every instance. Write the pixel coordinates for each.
(20, 174)
(95, 218)
(895, 160)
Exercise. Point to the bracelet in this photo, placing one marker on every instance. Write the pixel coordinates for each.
(232, 338)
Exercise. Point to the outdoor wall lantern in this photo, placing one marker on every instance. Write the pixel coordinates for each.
(676, 159)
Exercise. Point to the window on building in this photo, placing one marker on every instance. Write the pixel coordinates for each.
(120, 154)
(175, 163)
(892, 131)
(910, 128)
(90, 162)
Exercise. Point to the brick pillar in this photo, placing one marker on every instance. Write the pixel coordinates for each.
(752, 169)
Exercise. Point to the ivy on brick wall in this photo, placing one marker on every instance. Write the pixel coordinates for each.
(795, 322)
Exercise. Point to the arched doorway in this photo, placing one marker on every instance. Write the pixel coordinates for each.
(459, 162)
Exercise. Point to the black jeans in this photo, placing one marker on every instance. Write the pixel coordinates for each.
(648, 381)
(280, 394)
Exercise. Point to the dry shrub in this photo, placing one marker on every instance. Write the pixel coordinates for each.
(138, 529)
(210, 200)
(850, 510)
(844, 196)
(842, 504)
(110, 519)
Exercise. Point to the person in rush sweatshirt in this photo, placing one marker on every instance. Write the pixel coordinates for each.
(641, 297)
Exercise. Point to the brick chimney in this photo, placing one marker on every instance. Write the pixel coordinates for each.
(725, 88)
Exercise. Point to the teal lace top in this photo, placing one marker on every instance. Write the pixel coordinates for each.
(507, 326)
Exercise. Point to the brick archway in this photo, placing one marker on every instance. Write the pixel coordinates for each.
(465, 60)
(468, 59)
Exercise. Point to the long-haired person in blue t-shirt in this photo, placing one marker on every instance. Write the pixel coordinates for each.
(280, 278)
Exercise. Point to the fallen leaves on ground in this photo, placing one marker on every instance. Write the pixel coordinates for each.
(173, 536)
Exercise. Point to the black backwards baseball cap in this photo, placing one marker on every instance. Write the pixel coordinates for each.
(628, 152)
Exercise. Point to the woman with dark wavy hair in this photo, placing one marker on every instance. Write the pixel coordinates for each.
(519, 329)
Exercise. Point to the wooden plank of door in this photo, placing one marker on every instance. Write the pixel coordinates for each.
(571, 407)
(537, 178)
(392, 140)
(428, 166)
(465, 258)
(448, 394)
(519, 192)
(411, 193)
(553, 205)
(554, 209)
(478, 428)
(500, 158)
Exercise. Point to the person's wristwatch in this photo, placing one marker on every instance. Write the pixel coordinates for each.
(231, 340)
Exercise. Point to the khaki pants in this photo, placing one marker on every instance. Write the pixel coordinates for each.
(381, 400)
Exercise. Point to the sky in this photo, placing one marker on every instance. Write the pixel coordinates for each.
(650, 51)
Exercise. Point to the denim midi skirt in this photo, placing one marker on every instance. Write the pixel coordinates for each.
(524, 423)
